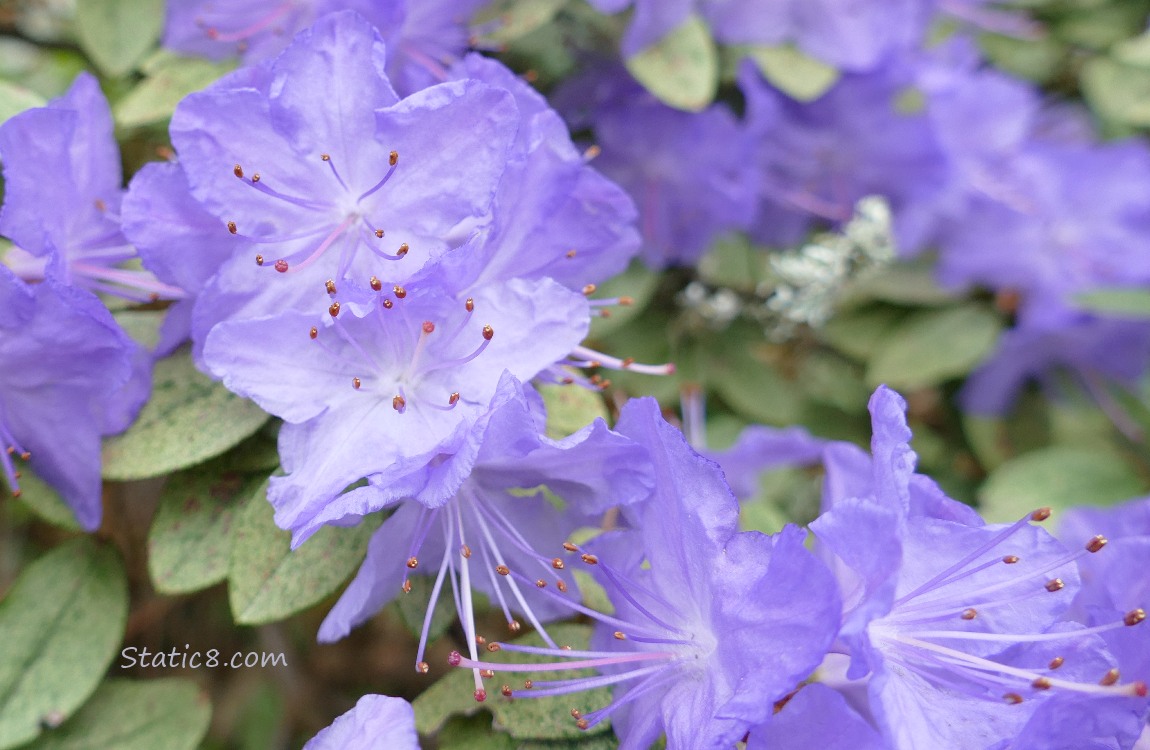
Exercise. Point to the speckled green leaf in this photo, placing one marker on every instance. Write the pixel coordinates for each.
(570, 408)
(15, 99)
(267, 581)
(188, 420)
(165, 714)
(116, 34)
(796, 74)
(526, 719)
(60, 626)
(473, 733)
(682, 69)
(931, 346)
(412, 607)
(1060, 476)
(190, 540)
(168, 79)
(45, 502)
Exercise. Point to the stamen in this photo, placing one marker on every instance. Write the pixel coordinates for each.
(393, 162)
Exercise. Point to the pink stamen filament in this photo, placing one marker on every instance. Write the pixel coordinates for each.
(467, 616)
(251, 30)
(608, 661)
(544, 688)
(319, 251)
(617, 364)
(142, 281)
(1017, 638)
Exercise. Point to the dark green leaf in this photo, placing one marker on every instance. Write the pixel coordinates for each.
(932, 346)
(59, 626)
(188, 420)
(682, 69)
(473, 733)
(116, 34)
(267, 581)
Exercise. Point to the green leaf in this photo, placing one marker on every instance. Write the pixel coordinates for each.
(45, 502)
(412, 607)
(1037, 60)
(681, 69)
(1117, 91)
(794, 72)
(1059, 476)
(473, 733)
(1132, 303)
(190, 539)
(267, 581)
(168, 80)
(741, 368)
(60, 626)
(142, 325)
(570, 408)
(932, 346)
(902, 284)
(164, 714)
(859, 333)
(116, 34)
(733, 261)
(188, 420)
(511, 19)
(15, 99)
(527, 719)
(639, 283)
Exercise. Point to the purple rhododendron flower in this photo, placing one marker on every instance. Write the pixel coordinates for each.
(959, 624)
(488, 527)
(64, 155)
(815, 717)
(316, 158)
(409, 379)
(711, 626)
(375, 721)
(424, 37)
(68, 375)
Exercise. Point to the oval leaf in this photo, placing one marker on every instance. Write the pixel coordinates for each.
(169, 79)
(681, 69)
(932, 346)
(45, 502)
(793, 72)
(267, 581)
(60, 626)
(115, 34)
(507, 20)
(188, 420)
(168, 714)
(570, 409)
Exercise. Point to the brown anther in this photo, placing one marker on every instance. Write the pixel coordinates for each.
(165, 153)
(1139, 688)
(375, 283)
(454, 659)
(469, 305)
(1012, 698)
(403, 250)
(604, 313)
(589, 558)
(1040, 515)
(393, 158)
(325, 157)
(387, 304)
(480, 640)
(428, 327)
(1096, 543)
(100, 204)
(576, 713)
(627, 362)
(423, 667)
(565, 648)
(412, 562)
(256, 177)
(333, 309)
(487, 674)
(406, 585)
(17, 493)
(626, 301)
(571, 253)
(1042, 683)
(356, 383)
(570, 547)
(620, 635)
(515, 627)
(556, 563)
(502, 570)
(259, 260)
(281, 265)
(1134, 616)
(488, 333)
(232, 227)
(238, 171)
(969, 613)
(480, 695)
(1010, 559)
(25, 455)
(453, 399)
(596, 379)
(493, 647)
(379, 233)
(561, 585)
(399, 291)
(528, 684)
(398, 402)
(582, 724)
(1057, 662)
(1110, 678)
(465, 551)
(11, 449)
(1055, 584)
(589, 289)
(540, 583)
(592, 151)
(329, 285)
(506, 690)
